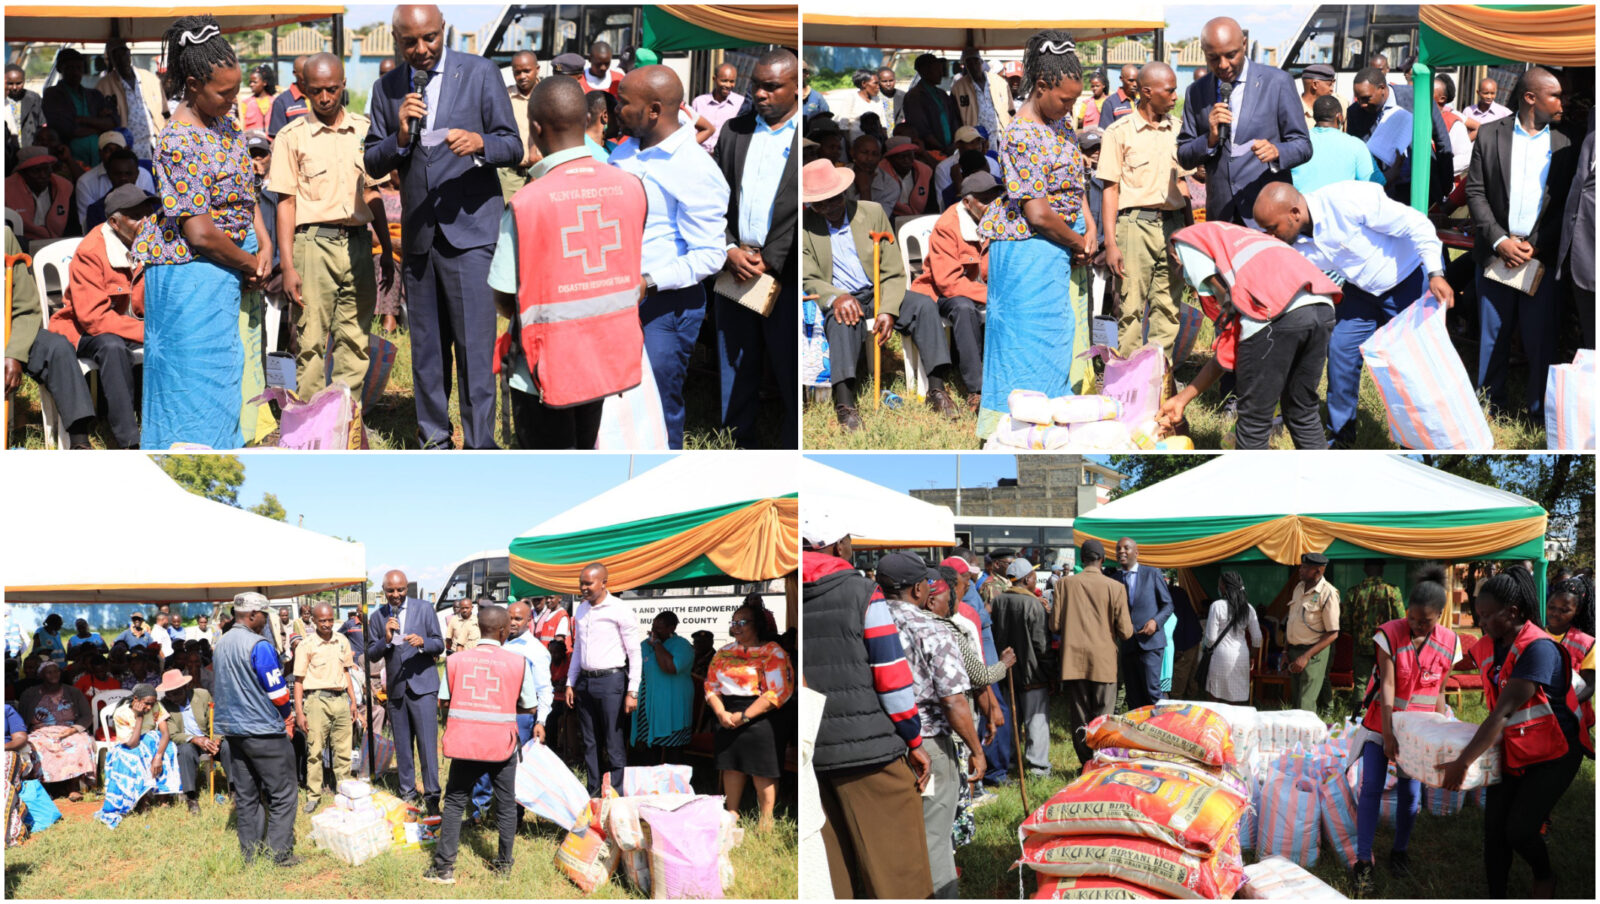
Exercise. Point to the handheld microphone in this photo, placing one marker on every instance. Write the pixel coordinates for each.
(1224, 131)
(419, 82)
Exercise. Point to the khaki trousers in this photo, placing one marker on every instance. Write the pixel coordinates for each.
(327, 724)
(1151, 292)
(338, 295)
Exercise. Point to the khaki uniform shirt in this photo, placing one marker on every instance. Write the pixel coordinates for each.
(519, 109)
(1142, 158)
(323, 663)
(320, 166)
(463, 633)
(1313, 612)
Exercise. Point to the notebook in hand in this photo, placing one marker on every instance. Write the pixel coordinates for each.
(1524, 279)
(758, 294)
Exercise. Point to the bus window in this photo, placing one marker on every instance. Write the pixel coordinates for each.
(527, 33)
(457, 588)
(567, 34)
(1320, 37)
(1355, 37)
(613, 25)
(1393, 41)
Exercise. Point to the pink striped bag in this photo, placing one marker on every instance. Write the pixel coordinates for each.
(1569, 404)
(1290, 808)
(1339, 817)
(1427, 396)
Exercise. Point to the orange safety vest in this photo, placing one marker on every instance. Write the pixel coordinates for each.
(1578, 645)
(578, 296)
(485, 683)
(1418, 674)
(1532, 735)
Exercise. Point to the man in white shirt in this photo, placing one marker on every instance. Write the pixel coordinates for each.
(603, 684)
(161, 635)
(96, 183)
(967, 138)
(1386, 254)
(599, 74)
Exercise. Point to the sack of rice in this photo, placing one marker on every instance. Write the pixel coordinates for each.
(1090, 888)
(1182, 728)
(1134, 800)
(1148, 864)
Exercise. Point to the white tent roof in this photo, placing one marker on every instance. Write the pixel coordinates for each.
(948, 25)
(70, 23)
(1253, 484)
(122, 531)
(875, 516)
(683, 484)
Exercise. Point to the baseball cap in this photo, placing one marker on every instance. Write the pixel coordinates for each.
(125, 197)
(978, 183)
(958, 564)
(110, 137)
(1089, 138)
(968, 133)
(900, 144)
(257, 141)
(901, 569)
(1019, 568)
(249, 601)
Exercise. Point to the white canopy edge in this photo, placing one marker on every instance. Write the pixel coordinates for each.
(948, 25)
(683, 484)
(875, 516)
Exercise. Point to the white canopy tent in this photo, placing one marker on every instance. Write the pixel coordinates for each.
(876, 516)
(684, 483)
(152, 541)
(71, 24)
(947, 25)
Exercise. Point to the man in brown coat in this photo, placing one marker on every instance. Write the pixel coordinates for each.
(1091, 615)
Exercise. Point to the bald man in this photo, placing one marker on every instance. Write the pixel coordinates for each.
(404, 633)
(603, 685)
(1487, 109)
(1261, 119)
(521, 640)
(1120, 102)
(524, 75)
(325, 202)
(289, 105)
(684, 233)
(451, 202)
(721, 104)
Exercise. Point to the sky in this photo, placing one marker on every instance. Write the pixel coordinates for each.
(924, 471)
(422, 512)
(1270, 24)
(466, 17)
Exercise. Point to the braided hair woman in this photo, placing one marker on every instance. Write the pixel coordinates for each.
(1231, 632)
(1527, 687)
(1039, 232)
(255, 111)
(205, 254)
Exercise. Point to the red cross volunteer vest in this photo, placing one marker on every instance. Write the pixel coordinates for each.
(1532, 735)
(1419, 675)
(1578, 645)
(485, 682)
(578, 289)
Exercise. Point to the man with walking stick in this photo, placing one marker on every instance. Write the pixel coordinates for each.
(1019, 623)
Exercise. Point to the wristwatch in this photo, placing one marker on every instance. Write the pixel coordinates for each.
(649, 285)
(1433, 273)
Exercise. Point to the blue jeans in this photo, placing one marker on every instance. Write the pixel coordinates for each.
(671, 323)
(1501, 309)
(1360, 315)
(998, 753)
(483, 790)
(1374, 771)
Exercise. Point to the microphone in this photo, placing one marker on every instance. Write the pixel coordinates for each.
(419, 82)
(1224, 131)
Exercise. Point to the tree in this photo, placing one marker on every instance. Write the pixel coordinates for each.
(1562, 485)
(1143, 470)
(270, 507)
(214, 477)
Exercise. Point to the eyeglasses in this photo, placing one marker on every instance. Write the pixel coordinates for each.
(739, 622)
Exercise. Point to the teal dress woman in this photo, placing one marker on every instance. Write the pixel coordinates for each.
(666, 690)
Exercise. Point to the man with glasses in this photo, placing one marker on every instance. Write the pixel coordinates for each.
(326, 200)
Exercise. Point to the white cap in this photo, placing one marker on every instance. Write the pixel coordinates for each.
(1019, 568)
(820, 529)
(111, 137)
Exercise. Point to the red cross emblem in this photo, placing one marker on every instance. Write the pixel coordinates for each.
(592, 240)
(480, 683)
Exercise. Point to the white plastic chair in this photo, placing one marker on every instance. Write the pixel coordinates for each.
(53, 261)
(104, 705)
(14, 220)
(913, 238)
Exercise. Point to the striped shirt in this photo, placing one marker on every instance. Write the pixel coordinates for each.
(891, 674)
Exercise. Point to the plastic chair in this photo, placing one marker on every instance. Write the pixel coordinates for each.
(53, 261)
(104, 706)
(913, 237)
(14, 220)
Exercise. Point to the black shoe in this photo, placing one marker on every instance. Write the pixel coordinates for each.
(500, 868)
(433, 806)
(1400, 864)
(194, 807)
(288, 860)
(439, 876)
(1361, 878)
(849, 417)
(309, 807)
(941, 403)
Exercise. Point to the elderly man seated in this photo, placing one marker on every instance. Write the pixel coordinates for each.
(43, 355)
(189, 727)
(41, 197)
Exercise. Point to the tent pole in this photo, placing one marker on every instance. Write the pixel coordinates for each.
(1421, 135)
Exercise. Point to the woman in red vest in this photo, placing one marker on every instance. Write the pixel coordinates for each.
(1527, 685)
(1415, 655)
(1567, 600)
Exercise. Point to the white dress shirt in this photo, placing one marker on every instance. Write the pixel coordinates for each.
(606, 635)
(764, 160)
(1530, 168)
(95, 185)
(1373, 243)
(685, 230)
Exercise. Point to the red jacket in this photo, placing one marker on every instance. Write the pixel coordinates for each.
(951, 265)
(100, 293)
(20, 199)
(922, 178)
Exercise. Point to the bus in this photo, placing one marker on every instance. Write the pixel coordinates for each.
(1044, 542)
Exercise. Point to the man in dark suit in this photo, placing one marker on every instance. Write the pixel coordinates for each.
(1516, 217)
(404, 633)
(1575, 260)
(763, 217)
(1150, 605)
(1266, 121)
(450, 215)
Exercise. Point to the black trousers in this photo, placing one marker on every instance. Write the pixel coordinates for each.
(1086, 701)
(265, 793)
(114, 356)
(189, 769)
(601, 720)
(458, 792)
(1284, 363)
(966, 332)
(918, 318)
(1141, 674)
(53, 362)
(1513, 812)
(537, 426)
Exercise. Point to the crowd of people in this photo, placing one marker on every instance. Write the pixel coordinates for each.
(938, 681)
(280, 705)
(1059, 201)
(206, 194)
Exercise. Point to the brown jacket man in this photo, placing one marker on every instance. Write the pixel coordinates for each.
(1091, 615)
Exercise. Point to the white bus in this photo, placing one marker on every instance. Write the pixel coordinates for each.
(1345, 36)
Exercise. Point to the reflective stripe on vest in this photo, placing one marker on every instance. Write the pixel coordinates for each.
(485, 684)
(1532, 712)
(580, 231)
(1410, 665)
(473, 716)
(1532, 734)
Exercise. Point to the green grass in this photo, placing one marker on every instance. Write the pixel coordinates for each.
(166, 854)
(914, 426)
(392, 420)
(1446, 858)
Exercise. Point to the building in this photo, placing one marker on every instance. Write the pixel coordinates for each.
(1046, 486)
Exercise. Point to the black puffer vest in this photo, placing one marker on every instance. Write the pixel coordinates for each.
(855, 730)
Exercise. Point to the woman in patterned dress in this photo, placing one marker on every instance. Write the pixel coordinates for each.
(746, 681)
(203, 249)
(1038, 231)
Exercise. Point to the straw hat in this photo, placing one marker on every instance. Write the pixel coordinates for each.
(821, 180)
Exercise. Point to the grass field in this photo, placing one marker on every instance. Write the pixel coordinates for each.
(167, 854)
(1446, 852)
(915, 426)
(392, 421)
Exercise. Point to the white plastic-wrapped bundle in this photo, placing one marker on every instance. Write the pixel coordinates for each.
(1282, 729)
(352, 837)
(1427, 739)
(1280, 879)
(1084, 409)
(1029, 406)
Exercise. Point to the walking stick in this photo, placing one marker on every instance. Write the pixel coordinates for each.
(877, 290)
(1016, 735)
(11, 262)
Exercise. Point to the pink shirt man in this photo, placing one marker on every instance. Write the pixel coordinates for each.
(717, 113)
(606, 635)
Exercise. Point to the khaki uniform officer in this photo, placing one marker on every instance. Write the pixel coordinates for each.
(1312, 627)
(324, 695)
(524, 75)
(327, 200)
(1146, 193)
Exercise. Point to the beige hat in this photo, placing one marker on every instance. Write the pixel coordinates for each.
(968, 133)
(111, 137)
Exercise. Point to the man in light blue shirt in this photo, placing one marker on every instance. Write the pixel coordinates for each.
(684, 231)
(1386, 255)
(530, 726)
(1335, 156)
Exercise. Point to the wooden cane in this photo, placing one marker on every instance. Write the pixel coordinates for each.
(877, 290)
(1016, 735)
(12, 260)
